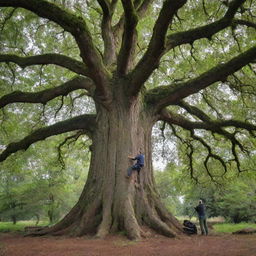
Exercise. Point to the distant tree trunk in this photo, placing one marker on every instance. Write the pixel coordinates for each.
(110, 202)
(50, 216)
(37, 218)
(14, 219)
(50, 212)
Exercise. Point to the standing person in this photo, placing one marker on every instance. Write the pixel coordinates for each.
(202, 217)
(138, 165)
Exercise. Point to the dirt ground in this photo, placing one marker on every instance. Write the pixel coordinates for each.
(212, 245)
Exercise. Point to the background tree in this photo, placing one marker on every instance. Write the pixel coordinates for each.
(35, 185)
(237, 200)
(171, 189)
(231, 196)
(234, 198)
(187, 63)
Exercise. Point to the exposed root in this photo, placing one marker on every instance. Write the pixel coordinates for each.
(160, 221)
(76, 223)
(160, 226)
(104, 227)
(167, 217)
(90, 219)
(133, 212)
(130, 222)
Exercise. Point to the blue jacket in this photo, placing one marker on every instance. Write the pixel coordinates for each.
(140, 159)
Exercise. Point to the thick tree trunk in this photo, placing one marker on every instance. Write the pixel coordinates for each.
(110, 202)
(14, 219)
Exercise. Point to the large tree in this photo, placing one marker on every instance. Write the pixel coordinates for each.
(140, 61)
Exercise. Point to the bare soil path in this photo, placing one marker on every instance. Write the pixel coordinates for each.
(213, 245)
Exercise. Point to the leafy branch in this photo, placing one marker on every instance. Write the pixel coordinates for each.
(163, 96)
(44, 96)
(78, 28)
(83, 122)
(206, 31)
(156, 47)
(216, 127)
(107, 31)
(68, 140)
(46, 59)
(129, 37)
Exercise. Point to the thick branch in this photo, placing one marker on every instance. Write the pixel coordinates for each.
(223, 123)
(83, 122)
(48, 94)
(150, 60)
(194, 111)
(207, 124)
(213, 126)
(141, 9)
(210, 154)
(49, 11)
(206, 31)
(129, 37)
(107, 32)
(45, 59)
(179, 120)
(78, 28)
(244, 23)
(163, 96)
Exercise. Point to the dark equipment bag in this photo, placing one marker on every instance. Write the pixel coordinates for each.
(189, 227)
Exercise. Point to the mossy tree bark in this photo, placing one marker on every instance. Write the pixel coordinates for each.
(110, 202)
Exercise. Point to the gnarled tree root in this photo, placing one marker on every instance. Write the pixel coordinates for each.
(141, 208)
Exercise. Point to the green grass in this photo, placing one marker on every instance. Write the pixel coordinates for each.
(230, 227)
(219, 224)
(19, 226)
(221, 227)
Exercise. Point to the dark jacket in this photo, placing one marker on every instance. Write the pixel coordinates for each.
(140, 160)
(200, 210)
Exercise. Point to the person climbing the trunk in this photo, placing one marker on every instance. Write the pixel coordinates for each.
(138, 165)
(202, 217)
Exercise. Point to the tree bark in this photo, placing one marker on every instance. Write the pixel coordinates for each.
(110, 202)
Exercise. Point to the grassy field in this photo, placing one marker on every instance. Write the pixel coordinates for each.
(230, 227)
(219, 224)
(19, 226)
(219, 227)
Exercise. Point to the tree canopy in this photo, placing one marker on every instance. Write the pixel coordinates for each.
(108, 70)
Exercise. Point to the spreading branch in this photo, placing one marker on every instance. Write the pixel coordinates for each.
(208, 124)
(210, 154)
(223, 123)
(78, 28)
(151, 58)
(46, 95)
(214, 127)
(46, 59)
(206, 31)
(129, 37)
(163, 96)
(107, 31)
(141, 9)
(68, 140)
(194, 111)
(83, 122)
(244, 23)
(190, 152)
